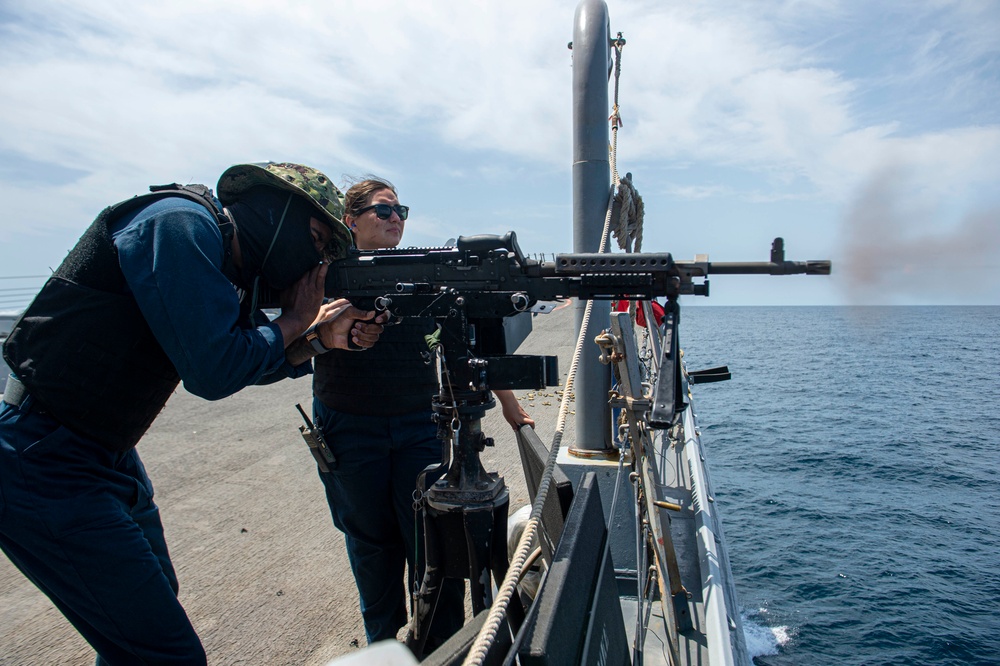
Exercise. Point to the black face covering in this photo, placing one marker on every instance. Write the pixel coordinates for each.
(276, 242)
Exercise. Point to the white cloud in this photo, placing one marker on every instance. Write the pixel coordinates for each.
(743, 103)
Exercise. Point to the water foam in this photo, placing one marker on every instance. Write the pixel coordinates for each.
(762, 640)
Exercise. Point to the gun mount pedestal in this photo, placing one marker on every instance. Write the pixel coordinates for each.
(464, 517)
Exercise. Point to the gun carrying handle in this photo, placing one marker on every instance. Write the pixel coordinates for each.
(487, 242)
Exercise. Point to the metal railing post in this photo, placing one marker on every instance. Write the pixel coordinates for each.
(591, 191)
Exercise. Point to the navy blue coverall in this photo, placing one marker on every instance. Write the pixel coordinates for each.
(79, 520)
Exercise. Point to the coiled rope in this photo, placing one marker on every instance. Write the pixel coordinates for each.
(628, 225)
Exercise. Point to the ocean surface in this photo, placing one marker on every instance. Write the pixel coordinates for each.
(855, 457)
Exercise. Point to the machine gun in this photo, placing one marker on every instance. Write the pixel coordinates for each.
(482, 294)
(483, 290)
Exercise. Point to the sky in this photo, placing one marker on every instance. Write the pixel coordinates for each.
(867, 133)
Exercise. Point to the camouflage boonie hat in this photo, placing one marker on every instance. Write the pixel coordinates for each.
(300, 180)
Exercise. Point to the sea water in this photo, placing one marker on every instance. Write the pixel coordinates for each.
(855, 457)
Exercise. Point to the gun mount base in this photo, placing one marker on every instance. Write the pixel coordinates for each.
(464, 516)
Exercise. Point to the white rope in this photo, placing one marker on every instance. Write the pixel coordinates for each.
(487, 634)
(627, 227)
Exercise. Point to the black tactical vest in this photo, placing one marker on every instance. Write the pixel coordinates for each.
(389, 379)
(83, 348)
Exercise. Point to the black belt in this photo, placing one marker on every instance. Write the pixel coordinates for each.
(16, 392)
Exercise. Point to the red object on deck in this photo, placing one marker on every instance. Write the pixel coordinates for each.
(640, 316)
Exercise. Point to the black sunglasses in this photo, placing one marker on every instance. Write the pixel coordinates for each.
(384, 210)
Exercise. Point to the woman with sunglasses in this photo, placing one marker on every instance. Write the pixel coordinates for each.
(375, 412)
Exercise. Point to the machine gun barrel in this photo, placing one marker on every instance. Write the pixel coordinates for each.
(814, 267)
(777, 266)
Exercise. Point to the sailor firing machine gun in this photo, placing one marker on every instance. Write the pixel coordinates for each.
(482, 294)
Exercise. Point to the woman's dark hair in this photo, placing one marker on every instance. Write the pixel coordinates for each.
(360, 193)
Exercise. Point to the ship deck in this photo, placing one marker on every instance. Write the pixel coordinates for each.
(263, 572)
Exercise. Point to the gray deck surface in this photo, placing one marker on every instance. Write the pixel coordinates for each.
(263, 572)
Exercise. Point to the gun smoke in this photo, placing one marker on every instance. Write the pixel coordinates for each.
(895, 249)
